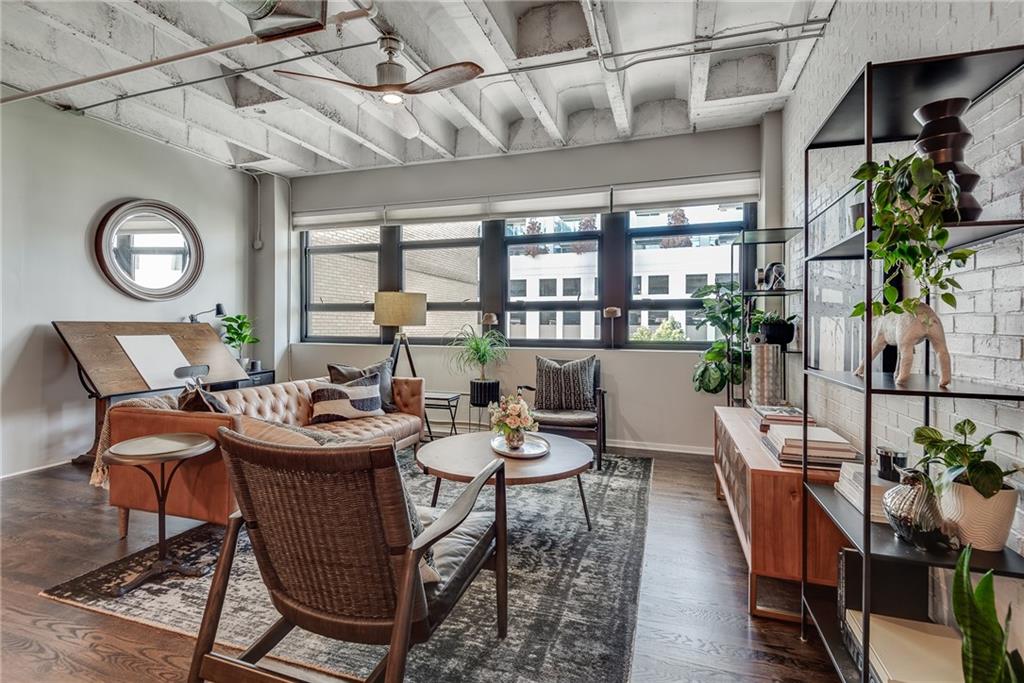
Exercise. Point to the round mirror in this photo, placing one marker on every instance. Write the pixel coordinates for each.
(149, 250)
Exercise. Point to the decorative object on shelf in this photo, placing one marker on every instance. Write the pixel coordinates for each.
(218, 311)
(725, 360)
(400, 309)
(905, 331)
(943, 139)
(511, 417)
(909, 196)
(149, 250)
(775, 276)
(766, 374)
(975, 498)
(773, 327)
(890, 462)
(238, 332)
(983, 654)
(913, 510)
(611, 313)
(255, 365)
(475, 351)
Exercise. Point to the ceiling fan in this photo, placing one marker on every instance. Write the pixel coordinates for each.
(392, 86)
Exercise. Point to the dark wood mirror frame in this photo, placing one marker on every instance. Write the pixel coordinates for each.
(123, 212)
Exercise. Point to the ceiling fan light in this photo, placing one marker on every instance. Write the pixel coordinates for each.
(392, 98)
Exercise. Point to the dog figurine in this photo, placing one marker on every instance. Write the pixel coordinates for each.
(905, 331)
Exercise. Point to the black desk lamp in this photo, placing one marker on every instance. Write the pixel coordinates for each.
(217, 310)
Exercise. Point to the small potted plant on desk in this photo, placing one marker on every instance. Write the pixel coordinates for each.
(238, 332)
(975, 498)
(475, 351)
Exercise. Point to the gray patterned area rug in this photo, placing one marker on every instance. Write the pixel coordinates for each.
(572, 593)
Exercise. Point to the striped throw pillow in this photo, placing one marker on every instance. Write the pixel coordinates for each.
(566, 386)
(355, 399)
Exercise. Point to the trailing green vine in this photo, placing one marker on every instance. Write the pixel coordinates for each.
(909, 197)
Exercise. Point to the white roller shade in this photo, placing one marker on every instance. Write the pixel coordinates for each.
(731, 188)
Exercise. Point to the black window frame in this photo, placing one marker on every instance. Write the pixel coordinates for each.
(386, 335)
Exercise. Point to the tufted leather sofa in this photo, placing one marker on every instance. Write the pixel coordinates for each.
(201, 489)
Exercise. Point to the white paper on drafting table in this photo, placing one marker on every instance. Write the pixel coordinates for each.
(155, 356)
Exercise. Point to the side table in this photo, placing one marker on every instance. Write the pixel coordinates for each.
(152, 450)
(443, 400)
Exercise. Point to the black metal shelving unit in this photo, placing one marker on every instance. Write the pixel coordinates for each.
(757, 237)
(878, 108)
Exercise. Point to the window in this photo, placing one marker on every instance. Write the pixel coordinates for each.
(724, 277)
(341, 276)
(557, 259)
(442, 260)
(517, 288)
(657, 284)
(691, 242)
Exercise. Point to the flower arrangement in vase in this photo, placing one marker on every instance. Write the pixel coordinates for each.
(511, 417)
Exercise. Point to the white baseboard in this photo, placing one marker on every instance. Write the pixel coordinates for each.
(35, 469)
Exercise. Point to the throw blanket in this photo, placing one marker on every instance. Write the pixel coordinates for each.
(99, 470)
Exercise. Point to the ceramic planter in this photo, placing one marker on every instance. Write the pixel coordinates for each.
(483, 392)
(778, 333)
(981, 522)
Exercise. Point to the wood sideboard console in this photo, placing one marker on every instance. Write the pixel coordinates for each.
(764, 501)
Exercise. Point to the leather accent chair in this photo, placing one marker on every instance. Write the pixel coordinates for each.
(577, 424)
(331, 531)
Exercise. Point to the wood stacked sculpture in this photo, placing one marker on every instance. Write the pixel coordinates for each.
(905, 331)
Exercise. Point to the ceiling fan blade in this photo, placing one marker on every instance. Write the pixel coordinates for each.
(407, 125)
(443, 77)
(299, 76)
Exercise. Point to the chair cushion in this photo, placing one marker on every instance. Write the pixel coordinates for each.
(457, 557)
(341, 373)
(358, 398)
(566, 418)
(565, 385)
(395, 426)
(283, 434)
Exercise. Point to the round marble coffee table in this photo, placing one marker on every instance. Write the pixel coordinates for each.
(462, 457)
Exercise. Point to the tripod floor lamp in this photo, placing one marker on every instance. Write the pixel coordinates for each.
(400, 309)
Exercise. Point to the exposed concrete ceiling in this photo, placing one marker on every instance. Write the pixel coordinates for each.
(262, 121)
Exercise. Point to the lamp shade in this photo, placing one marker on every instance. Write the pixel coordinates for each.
(218, 311)
(613, 312)
(489, 319)
(395, 309)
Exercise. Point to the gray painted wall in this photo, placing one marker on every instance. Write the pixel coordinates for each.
(736, 150)
(59, 174)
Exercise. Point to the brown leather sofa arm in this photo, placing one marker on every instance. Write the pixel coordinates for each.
(409, 396)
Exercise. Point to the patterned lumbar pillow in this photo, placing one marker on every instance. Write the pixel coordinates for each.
(358, 398)
(569, 386)
(340, 374)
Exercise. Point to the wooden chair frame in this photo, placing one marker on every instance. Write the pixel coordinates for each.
(211, 666)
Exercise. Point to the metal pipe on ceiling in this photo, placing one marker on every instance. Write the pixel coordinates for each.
(515, 70)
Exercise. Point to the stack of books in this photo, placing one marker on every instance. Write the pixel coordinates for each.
(780, 415)
(851, 487)
(906, 651)
(825, 448)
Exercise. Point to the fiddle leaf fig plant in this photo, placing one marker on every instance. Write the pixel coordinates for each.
(908, 197)
(964, 462)
(238, 331)
(722, 363)
(983, 654)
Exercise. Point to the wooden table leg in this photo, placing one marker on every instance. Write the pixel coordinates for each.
(87, 458)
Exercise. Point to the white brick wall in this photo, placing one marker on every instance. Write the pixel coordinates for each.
(986, 332)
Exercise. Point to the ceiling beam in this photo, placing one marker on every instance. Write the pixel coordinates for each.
(595, 12)
(543, 100)
(199, 24)
(800, 50)
(425, 53)
(704, 16)
(104, 36)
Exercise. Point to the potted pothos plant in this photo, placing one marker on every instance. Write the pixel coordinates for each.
(974, 494)
(725, 360)
(908, 198)
(775, 328)
(474, 351)
(983, 654)
(238, 333)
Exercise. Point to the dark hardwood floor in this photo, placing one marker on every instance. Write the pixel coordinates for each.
(692, 623)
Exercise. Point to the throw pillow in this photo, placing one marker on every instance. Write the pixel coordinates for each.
(198, 400)
(340, 374)
(566, 386)
(348, 401)
(283, 434)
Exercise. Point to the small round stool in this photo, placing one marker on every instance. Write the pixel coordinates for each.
(150, 450)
